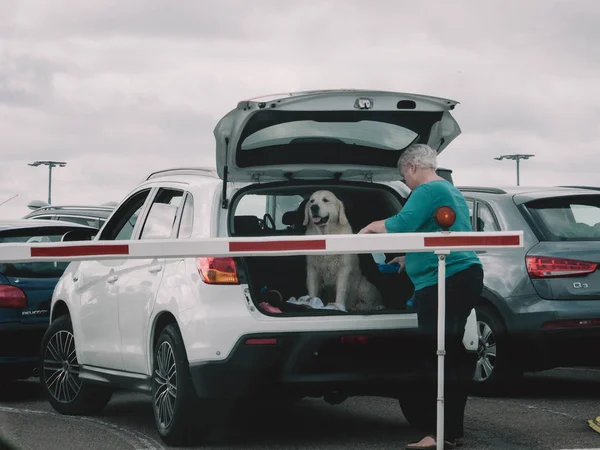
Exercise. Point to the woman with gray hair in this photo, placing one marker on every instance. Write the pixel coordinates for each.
(464, 283)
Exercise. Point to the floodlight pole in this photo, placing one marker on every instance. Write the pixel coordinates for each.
(50, 164)
(518, 159)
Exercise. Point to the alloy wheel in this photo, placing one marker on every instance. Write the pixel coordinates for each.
(61, 369)
(486, 352)
(165, 377)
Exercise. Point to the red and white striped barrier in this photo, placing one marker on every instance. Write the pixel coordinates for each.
(441, 243)
(260, 246)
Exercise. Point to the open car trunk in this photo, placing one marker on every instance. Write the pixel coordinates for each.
(278, 284)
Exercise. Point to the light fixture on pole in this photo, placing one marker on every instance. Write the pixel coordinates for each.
(517, 158)
(51, 165)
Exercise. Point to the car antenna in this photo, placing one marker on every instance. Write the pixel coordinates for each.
(6, 201)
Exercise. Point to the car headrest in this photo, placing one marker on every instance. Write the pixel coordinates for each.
(289, 218)
(246, 225)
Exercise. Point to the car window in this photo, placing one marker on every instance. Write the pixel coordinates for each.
(251, 209)
(252, 205)
(45, 269)
(90, 222)
(284, 204)
(123, 221)
(567, 218)
(187, 218)
(163, 212)
(471, 205)
(485, 219)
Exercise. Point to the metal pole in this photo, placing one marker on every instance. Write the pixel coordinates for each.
(518, 175)
(49, 184)
(441, 346)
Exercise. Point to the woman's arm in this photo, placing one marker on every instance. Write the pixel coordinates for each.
(413, 215)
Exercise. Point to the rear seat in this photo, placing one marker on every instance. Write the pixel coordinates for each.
(247, 226)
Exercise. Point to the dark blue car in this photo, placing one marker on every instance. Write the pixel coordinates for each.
(25, 293)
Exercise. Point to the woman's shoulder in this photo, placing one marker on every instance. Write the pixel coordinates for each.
(439, 187)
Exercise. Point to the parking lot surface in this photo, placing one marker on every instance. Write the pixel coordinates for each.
(543, 411)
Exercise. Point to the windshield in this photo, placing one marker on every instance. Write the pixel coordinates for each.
(365, 133)
(567, 218)
(363, 138)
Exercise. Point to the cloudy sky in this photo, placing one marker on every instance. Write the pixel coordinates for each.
(119, 88)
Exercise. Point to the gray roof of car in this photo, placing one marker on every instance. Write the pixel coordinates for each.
(523, 194)
(86, 211)
(28, 223)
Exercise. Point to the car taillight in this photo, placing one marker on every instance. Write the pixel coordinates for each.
(12, 297)
(218, 270)
(546, 267)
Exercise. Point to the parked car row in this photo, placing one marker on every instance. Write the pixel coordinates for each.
(191, 331)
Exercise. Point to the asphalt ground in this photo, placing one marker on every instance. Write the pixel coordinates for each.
(548, 410)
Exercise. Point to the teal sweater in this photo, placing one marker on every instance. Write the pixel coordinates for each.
(417, 216)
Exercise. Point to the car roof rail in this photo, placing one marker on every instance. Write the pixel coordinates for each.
(204, 171)
(593, 188)
(480, 189)
(77, 207)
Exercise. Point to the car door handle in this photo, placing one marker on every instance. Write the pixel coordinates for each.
(155, 269)
(112, 278)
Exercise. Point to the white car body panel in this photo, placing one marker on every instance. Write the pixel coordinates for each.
(97, 314)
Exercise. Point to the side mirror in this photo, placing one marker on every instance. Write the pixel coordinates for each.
(79, 235)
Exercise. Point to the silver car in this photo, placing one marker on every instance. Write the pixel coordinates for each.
(541, 306)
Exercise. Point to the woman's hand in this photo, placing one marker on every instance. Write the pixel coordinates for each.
(398, 260)
(374, 227)
(366, 230)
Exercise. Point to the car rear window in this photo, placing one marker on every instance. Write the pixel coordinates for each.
(50, 269)
(567, 218)
(322, 137)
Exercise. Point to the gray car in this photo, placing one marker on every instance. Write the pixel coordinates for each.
(92, 216)
(541, 306)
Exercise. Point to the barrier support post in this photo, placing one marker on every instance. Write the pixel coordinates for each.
(441, 350)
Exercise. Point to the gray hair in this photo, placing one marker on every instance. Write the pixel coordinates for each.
(421, 155)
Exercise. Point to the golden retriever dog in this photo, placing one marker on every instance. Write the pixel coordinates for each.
(336, 278)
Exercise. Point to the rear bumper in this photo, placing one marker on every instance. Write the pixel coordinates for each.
(20, 348)
(383, 363)
(540, 347)
(567, 347)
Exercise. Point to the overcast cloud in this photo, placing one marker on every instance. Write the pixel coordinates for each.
(121, 88)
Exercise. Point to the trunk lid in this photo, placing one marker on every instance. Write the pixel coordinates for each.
(39, 295)
(564, 264)
(349, 134)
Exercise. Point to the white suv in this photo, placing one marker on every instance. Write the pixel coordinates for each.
(197, 330)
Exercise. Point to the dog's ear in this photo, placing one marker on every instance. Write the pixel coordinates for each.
(342, 219)
(306, 215)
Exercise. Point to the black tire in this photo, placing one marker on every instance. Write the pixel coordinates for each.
(493, 372)
(59, 374)
(179, 416)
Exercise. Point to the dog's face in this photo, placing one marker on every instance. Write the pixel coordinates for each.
(324, 209)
